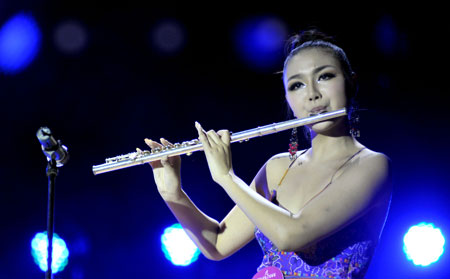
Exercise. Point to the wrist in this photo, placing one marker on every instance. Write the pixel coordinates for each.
(172, 196)
(225, 179)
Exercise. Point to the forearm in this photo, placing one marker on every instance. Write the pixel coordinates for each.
(201, 228)
(272, 220)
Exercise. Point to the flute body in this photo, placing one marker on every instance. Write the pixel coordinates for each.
(188, 147)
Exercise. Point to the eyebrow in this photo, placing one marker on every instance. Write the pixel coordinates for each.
(316, 70)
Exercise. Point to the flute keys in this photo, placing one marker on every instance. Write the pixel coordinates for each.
(133, 156)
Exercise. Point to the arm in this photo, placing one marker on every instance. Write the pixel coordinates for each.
(350, 196)
(363, 186)
(215, 240)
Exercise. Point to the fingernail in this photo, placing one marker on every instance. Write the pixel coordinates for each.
(197, 124)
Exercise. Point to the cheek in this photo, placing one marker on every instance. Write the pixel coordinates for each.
(291, 103)
(338, 94)
(295, 104)
(288, 100)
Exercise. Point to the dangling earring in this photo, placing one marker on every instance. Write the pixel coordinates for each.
(293, 144)
(353, 122)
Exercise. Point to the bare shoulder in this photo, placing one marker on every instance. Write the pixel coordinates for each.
(276, 166)
(373, 170)
(264, 180)
(277, 158)
(375, 160)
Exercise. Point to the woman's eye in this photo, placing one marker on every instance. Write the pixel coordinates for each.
(326, 76)
(295, 86)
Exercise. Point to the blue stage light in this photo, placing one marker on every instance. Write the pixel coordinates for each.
(60, 253)
(20, 39)
(260, 42)
(178, 247)
(423, 244)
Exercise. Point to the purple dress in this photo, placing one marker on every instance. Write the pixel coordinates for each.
(344, 254)
(338, 256)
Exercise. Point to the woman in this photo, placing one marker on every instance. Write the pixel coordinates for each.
(317, 212)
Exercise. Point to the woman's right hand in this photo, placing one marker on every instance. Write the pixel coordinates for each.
(166, 171)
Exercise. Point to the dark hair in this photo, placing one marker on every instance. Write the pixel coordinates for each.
(313, 38)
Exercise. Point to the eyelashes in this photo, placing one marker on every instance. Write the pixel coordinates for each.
(326, 76)
(297, 84)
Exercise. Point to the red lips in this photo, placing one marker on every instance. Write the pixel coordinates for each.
(318, 109)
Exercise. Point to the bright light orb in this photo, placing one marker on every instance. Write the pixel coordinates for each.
(20, 40)
(423, 244)
(259, 41)
(60, 253)
(178, 247)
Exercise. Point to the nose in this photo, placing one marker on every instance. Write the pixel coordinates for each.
(313, 93)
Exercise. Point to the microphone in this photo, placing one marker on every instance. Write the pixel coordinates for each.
(53, 149)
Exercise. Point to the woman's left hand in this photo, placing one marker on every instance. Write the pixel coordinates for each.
(218, 153)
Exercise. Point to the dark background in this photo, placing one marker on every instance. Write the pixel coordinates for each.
(104, 100)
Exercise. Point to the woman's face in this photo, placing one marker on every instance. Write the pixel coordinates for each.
(314, 83)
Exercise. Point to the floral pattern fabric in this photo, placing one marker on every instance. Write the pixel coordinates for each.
(320, 260)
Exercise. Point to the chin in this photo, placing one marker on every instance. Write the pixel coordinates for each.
(322, 126)
(328, 126)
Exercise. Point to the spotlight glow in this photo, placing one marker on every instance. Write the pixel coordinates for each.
(20, 39)
(260, 40)
(423, 244)
(70, 37)
(178, 247)
(60, 253)
(168, 37)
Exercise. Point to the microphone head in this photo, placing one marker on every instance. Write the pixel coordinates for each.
(52, 148)
(46, 139)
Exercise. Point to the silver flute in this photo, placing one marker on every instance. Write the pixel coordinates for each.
(187, 147)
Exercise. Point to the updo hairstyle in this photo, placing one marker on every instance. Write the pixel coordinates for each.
(313, 38)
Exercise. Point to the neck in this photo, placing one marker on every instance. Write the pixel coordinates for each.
(332, 146)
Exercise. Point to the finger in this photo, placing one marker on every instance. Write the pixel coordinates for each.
(138, 151)
(154, 164)
(169, 144)
(165, 161)
(152, 144)
(212, 135)
(225, 136)
(202, 136)
(166, 142)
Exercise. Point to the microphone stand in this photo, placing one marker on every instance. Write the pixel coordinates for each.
(52, 172)
(57, 156)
